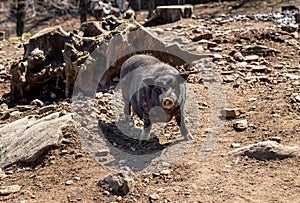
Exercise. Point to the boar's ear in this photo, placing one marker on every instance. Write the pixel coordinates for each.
(149, 81)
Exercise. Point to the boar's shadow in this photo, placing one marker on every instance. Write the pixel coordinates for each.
(128, 144)
(123, 147)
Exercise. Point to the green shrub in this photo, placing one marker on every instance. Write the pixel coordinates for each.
(24, 35)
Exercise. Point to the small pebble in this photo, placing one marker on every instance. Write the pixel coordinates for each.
(69, 182)
(235, 145)
(240, 125)
(154, 196)
(165, 172)
(276, 139)
(102, 152)
(76, 178)
(78, 155)
(63, 152)
(160, 190)
(106, 192)
(9, 172)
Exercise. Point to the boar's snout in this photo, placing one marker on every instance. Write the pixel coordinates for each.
(168, 103)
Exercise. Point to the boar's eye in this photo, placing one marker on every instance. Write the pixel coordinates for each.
(157, 89)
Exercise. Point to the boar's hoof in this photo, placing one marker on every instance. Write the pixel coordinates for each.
(128, 118)
(189, 137)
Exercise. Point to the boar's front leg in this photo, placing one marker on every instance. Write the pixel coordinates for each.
(127, 111)
(145, 135)
(183, 129)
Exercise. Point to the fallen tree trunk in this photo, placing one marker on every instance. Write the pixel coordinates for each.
(267, 150)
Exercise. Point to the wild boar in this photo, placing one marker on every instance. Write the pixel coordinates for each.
(155, 91)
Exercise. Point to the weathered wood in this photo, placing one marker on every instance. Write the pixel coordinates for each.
(57, 64)
(267, 150)
(169, 14)
(42, 64)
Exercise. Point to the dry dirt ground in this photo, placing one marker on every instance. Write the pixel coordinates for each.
(270, 106)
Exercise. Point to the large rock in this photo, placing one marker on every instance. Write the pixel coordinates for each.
(6, 190)
(118, 184)
(26, 139)
(268, 150)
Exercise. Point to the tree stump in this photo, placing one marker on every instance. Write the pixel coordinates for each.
(58, 65)
(169, 14)
(42, 65)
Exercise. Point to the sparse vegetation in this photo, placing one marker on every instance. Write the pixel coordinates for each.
(24, 35)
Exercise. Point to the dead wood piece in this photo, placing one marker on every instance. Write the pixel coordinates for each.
(91, 29)
(50, 40)
(268, 150)
(73, 59)
(42, 63)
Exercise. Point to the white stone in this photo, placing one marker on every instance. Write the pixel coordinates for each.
(235, 145)
(218, 56)
(240, 124)
(69, 182)
(251, 58)
(6, 190)
(165, 172)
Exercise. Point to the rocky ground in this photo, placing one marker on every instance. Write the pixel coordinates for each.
(257, 64)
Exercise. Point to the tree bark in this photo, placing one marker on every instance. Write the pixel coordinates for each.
(83, 9)
(181, 2)
(20, 17)
(151, 8)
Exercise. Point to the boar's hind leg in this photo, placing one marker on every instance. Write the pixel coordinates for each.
(127, 111)
(183, 129)
(147, 127)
